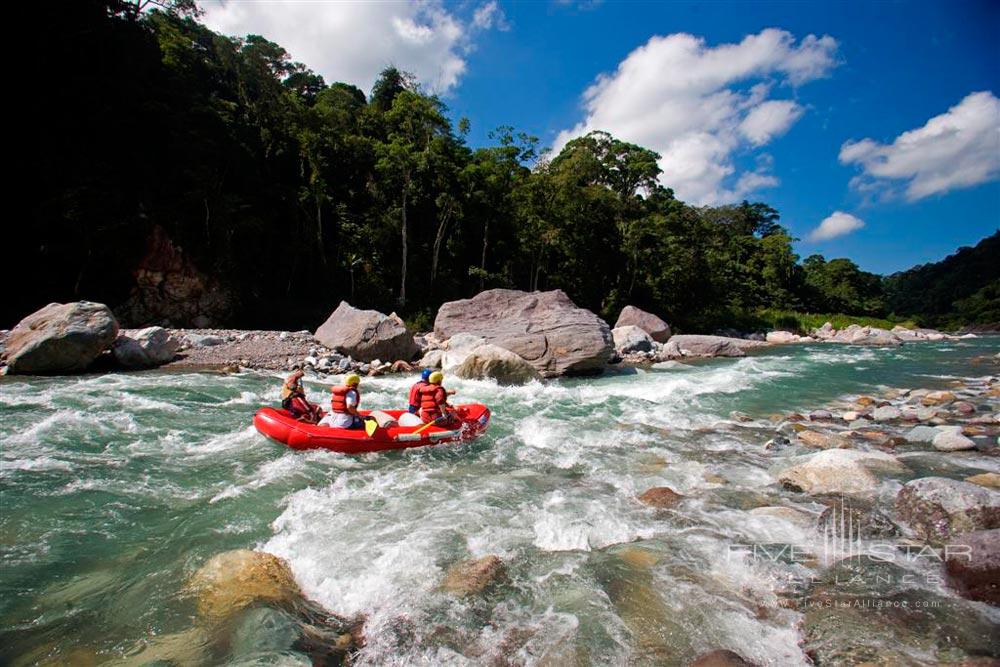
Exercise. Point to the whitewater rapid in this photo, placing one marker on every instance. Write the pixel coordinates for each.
(122, 485)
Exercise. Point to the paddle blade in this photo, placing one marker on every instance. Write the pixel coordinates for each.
(370, 426)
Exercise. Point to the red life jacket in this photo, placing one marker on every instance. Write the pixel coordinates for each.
(338, 399)
(415, 392)
(431, 396)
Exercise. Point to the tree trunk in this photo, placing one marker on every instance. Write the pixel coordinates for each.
(438, 240)
(482, 263)
(402, 282)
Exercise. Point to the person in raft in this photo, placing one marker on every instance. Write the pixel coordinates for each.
(344, 403)
(415, 391)
(433, 401)
(293, 398)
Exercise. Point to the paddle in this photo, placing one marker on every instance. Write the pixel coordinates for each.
(429, 424)
(370, 426)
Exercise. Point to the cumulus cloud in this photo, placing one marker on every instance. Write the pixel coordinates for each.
(699, 105)
(352, 41)
(836, 224)
(958, 149)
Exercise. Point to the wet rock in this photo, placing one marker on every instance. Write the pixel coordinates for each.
(818, 440)
(366, 335)
(886, 413)
(910, 625)
(721, 658)
(777, 442)
(853, 518)
(963, 408)
(741, 417)
(662, 497)
(922, 434)
(631, 339)
(472, 577)
(145, 348)
(865, 401)
(838, 471)
(789, 514)
(952, 441)
(263, 630)
(491, 361)
(657, 329)
(972, 562)
(820, 415)
(937, 508)
(232, 581)
(60, 338)
(191, 648)
(988, 479)
(545, 328)
(937, 398)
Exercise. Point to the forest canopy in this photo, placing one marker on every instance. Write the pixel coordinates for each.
(287, 193)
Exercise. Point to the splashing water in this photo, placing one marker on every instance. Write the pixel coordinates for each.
(116, 488)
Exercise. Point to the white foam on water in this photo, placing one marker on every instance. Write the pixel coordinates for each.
(38, 463)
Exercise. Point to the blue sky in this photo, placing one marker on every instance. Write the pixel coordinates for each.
(748, 106)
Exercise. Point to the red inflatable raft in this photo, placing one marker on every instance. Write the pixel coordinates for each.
(280, 426)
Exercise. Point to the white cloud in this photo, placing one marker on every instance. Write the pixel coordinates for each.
(690, 103)
(490, 14)
(836, 224)
(769, 120)
(958, 149)
(352, 41)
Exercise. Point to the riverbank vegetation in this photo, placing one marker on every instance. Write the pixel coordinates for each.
(288, 193)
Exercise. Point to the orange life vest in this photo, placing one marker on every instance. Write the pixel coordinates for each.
(291, 390)
(338, 400)
(431, 396)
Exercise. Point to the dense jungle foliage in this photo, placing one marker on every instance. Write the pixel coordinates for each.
(294, 193)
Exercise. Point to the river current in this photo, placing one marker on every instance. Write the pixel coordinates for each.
(115, 488)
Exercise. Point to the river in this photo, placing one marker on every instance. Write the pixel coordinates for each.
(115, 488)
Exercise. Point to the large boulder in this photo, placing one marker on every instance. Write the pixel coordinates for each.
(145, 348)
(545, 328)
(839, 471)
(366, 335)
(630, 339)
(232, 581)
(657, 329)
(938, 508)
(458, 348)
(973, 565)
(491, 361)
(60, 338)
(712, 346)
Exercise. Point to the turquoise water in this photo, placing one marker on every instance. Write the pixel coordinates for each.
(116, 488)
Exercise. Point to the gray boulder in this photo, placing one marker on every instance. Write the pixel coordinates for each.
(545, 328)
(491, 361)
(657, 329)
(60, 338)
(839, 471)
(713, 346)
(366, 335)
(937, 508)
(145, 348)
(630, 339)
(457, 348)
(952, 440)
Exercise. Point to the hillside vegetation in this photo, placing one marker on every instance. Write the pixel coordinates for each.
(187, 177)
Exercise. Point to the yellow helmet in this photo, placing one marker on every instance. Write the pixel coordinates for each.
(352, 380)
(437, 377)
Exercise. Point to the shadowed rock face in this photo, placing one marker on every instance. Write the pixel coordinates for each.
(545, 328)
(366, 335)
(60, 338)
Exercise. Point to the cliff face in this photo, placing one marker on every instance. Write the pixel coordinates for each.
(170, 291)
